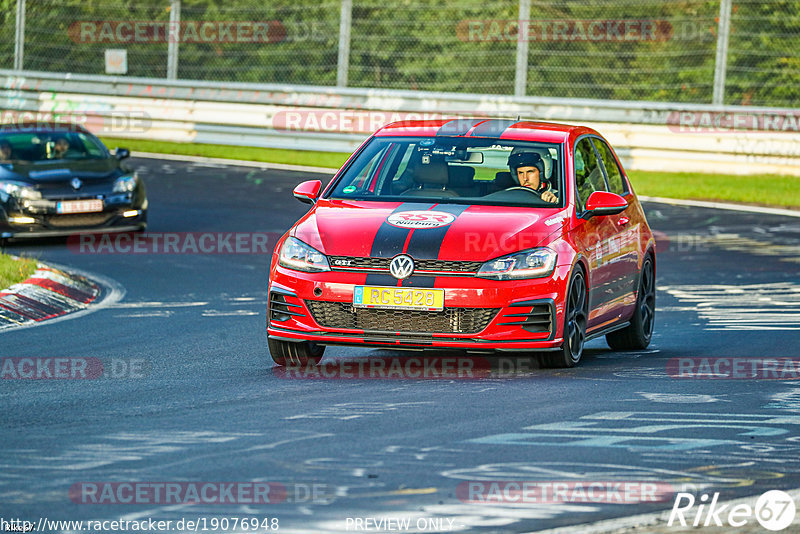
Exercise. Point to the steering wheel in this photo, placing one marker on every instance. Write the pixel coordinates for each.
(528, 189)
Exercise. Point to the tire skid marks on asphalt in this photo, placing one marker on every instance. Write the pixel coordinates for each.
(120, 448)
(774, 306)
(649, 431)
(786, 400)
(678, 398)
(228, 306)
(344, 411)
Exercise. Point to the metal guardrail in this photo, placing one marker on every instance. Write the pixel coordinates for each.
(648, 135)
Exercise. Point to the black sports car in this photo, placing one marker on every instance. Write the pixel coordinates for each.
(60, 180)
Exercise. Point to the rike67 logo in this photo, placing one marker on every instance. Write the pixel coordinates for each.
(774, 510)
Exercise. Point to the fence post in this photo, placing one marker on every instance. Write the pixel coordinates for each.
(721, 65)
(19, 39)
(521, 79)
(173, 39)
(345, 23)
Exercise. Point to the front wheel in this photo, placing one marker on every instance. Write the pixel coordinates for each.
(638, 334)
(575, 320)
(295, 354)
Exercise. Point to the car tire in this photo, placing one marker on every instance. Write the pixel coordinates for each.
(295, 353)
(576, 313)
(638, 334)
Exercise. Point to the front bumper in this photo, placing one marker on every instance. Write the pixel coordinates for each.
(291, 318)
(42, 220)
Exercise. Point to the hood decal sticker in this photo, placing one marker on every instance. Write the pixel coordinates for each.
(420, 219)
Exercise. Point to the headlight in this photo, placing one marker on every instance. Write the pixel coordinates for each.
(126, 184)
(20, 191)
(536, 263)
(301, 257)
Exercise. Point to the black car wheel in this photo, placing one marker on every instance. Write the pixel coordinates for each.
(575, 320)
(638, 334)
(295, 354)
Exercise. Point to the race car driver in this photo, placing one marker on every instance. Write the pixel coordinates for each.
(528, 167)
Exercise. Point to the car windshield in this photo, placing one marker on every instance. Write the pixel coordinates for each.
(450, 169)
(43, 146)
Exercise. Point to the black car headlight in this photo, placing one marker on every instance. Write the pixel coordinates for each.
(126, 183)
(20, 191)
(302, 257)
(534, 263)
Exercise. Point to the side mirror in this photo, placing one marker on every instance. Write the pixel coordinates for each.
(604, 203)
(307, 192)
(122, 153)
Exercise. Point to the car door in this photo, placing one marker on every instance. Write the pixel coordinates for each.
(595, 235)
(621, 254)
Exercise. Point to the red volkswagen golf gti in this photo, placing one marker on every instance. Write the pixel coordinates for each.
(483, 235)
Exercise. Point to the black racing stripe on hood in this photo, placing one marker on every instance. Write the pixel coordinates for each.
(379, 279)
(419, 281)
(458, 126)
(492, 128)
(389, 240)
(426, 243)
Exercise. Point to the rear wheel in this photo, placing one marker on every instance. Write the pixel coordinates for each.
(296, 354)
(575, 320)
(638, 334)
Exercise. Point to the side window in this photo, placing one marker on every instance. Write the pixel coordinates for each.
(360, 180)
(615, 182)
(588, 176)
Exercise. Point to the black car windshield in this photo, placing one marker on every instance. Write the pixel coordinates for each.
(452, 170)
(43, 146)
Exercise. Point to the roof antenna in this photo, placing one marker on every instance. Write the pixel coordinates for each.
(519, 117)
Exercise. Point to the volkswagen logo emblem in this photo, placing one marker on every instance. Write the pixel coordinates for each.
(401, 266)
(76, 183)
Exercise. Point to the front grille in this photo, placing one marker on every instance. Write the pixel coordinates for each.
(450, 320)
(78, 220)
(355, 263)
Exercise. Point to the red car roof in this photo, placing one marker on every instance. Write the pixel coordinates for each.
(496, 128)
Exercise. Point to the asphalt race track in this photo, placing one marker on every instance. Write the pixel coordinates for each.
(204, 403)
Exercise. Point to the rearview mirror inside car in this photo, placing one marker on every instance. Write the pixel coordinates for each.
(604, 203)
(307, 192)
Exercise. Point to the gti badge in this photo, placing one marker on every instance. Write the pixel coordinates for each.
(76, 183)
(401, 266)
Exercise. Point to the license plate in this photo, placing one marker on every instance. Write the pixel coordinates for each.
(398, 298)
(80, 206)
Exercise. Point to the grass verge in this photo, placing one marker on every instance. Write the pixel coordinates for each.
(764, 190)
(14, 270)
(312, 158)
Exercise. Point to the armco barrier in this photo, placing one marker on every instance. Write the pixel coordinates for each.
(648, 135)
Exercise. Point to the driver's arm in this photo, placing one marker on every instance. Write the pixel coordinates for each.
(548, 196)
